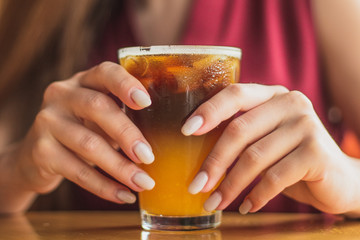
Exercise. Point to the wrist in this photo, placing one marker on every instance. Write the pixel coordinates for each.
(13, 197)
(355, 212)
(31, 177)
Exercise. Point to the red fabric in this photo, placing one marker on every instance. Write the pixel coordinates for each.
(278, 43)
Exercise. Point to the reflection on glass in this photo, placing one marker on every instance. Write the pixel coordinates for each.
(195, 235)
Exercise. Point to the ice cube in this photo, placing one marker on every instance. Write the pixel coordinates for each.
(136, 65)
(187, 78)
(219, 72)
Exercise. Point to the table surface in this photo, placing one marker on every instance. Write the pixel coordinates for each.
(125, 225)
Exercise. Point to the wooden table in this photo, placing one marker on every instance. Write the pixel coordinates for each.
(125, 225)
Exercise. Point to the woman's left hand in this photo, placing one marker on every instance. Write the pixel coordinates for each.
(280, 137)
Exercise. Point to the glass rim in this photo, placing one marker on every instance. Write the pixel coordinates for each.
(179, 49)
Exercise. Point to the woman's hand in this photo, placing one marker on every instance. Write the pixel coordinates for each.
(280, 137)
(81, 126)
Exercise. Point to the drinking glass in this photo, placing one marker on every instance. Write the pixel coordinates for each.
(178, 79)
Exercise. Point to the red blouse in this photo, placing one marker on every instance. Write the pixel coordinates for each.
(279, 47)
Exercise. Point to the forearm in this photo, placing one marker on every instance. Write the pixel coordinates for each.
(339, 39)
(14, 196)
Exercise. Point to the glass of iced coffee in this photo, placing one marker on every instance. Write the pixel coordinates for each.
(178, 79)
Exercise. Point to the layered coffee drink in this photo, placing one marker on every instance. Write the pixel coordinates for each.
(178, 81)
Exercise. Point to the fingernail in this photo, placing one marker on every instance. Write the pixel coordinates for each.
(198, 183)
(143, 180)
(245, 207)
(213, 202)
(192, 125)
(140, 98)
(126, 196)
(144, 153)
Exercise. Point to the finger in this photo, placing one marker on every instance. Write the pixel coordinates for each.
(240, 132)
(234, 98)
(256, 158)
(95, 128)
(95, 149)
(248, 128)
(101, 109)
(111, 77)
(287, 172)
(66, 164)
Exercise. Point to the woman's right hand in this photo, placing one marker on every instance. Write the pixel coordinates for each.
(80, 126)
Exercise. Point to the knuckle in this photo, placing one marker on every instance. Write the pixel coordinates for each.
(228, 186)
(257, 200)
(125, 82)
(281, 89)
(237, 127)
(104, 67)
(312, 131)
(42, 149)
(213, 161)
(83, 175)
(307, 122)
(89, 143)
(209, 109)
(97, 101)
(120, 78)
(44, 117)
(127, 131)
(236, 90)
(297, 98)
(124, 169)
(53, 90)
(253, 155)
(272, 179)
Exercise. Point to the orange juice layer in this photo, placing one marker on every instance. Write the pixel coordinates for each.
(177, 160)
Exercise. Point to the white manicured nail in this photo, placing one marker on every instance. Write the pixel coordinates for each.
(245, 207)
(126, 196)
(143, 180)
(213, 202)
(198, 183)
(192, 125)
(144, 153)
(141, 98)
